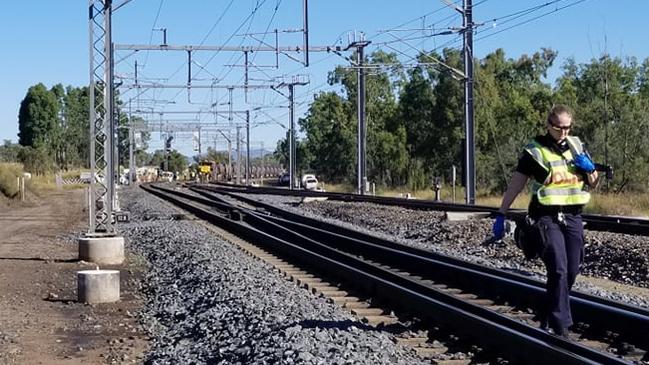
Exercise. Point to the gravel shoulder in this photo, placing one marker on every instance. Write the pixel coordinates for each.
(205, 301)
(40, 320)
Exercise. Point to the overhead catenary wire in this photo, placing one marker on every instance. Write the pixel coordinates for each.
(531, 20)
(505, 19)
(155, 22)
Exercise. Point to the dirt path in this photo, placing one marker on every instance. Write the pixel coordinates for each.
(40, 320)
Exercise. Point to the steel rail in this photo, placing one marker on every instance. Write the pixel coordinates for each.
(594, 222)
(629, 321)
(515, 339)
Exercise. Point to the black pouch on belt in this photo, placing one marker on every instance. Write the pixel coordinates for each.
(529, 237)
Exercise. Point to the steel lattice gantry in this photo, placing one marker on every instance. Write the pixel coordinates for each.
(102, 121)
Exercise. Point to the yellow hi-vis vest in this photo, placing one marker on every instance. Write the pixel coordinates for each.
(565, 186)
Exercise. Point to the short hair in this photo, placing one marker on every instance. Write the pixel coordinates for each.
(557, 110)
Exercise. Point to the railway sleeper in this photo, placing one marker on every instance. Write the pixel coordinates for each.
(380, 320)
(430, 351)
(356, 305)
(452, 361)
(375, 316)
(367, 311)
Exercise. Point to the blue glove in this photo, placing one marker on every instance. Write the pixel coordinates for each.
(499, 226)
(584, 163)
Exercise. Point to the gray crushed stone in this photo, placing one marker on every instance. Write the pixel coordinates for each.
(618, 257)
(208, 303)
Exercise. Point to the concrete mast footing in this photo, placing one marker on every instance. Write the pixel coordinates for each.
(107, 250)
(98, 286)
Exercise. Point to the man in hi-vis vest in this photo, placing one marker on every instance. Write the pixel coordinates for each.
(558, 168)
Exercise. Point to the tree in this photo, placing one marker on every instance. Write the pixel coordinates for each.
(330, 137)
(388, 158)
(302, 155)
(9, 152)
(381, 85)
(611, 115)
(511, 104)
(36, 160)
(38, 118)
(177, 162)
(123, 138)
(76, 126)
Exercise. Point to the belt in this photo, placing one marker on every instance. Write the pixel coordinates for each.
(536, 209)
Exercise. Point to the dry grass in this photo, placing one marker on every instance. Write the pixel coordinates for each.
(629, 204)
(73, 173)
(9, 172)
(37, 185)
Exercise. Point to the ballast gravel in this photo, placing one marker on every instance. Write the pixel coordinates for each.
(206, 302)
(617, 257)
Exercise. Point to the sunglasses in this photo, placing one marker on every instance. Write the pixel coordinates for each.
(559, 128)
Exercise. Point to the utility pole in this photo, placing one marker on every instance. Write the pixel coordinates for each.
(229, 140)
(131, 154)
(247, 147)
(263, 165)
(131, 146)
(606, 121)
(469, 127)
(101, 109)
(200, 147)
(167, 151)
(238, 155)
(291, 130)
(291, 141)
(360, 45)
(230, 135)
(305, 31)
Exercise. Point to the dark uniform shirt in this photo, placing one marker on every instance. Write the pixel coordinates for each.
(528, 166)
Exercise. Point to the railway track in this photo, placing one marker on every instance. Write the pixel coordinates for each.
(594, 222)
(486, 305)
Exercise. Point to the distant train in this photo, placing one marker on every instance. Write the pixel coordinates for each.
(205, 167)
(213, 171)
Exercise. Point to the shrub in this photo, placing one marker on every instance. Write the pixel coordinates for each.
(9, 172)
(36, 160)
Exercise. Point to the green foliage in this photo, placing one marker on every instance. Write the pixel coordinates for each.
(38, 118)
(56, 123)
(419, 134)
(331, 137)
(36, 160)
(124, 139)
(302, 157)
(612, 115)
(9, 151)
(176, 162)
(76, 149)
(511, 105)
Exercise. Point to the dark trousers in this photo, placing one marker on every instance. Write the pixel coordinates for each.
(562, 256)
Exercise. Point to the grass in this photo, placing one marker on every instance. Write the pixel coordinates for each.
(628, 204)
(9, 172)
(37, 185)
(73, 173)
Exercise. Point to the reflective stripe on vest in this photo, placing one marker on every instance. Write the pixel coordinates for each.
(565, 186)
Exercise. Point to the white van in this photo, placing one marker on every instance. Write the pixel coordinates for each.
(167, 176)
(310, 182)
(305, 177)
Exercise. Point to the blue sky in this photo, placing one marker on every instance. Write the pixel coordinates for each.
(47, 41)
